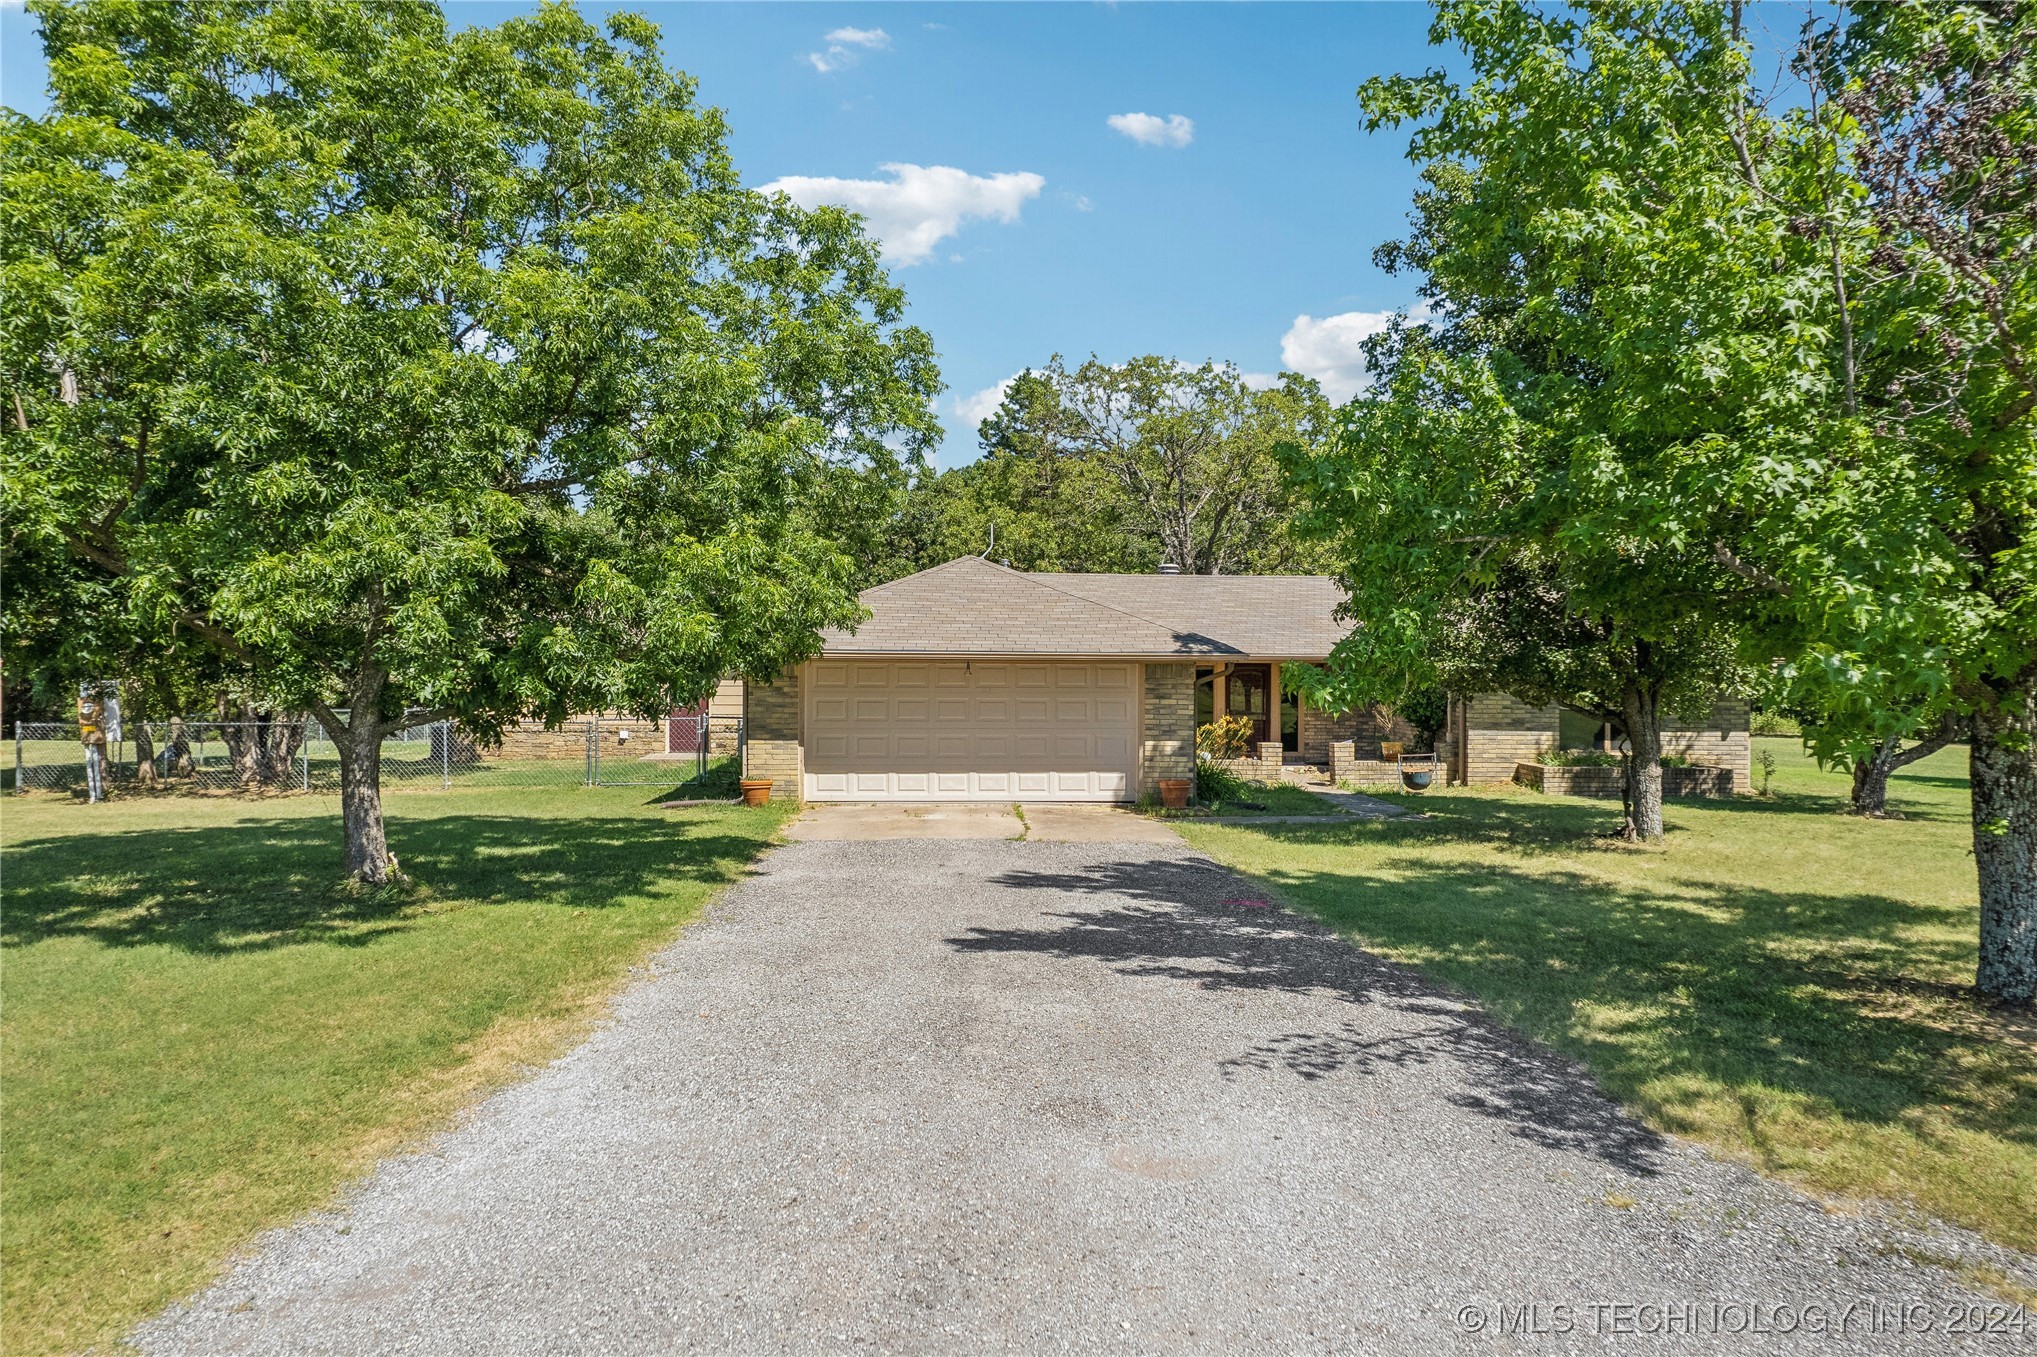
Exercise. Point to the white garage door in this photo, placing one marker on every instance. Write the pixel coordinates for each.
(986, 730)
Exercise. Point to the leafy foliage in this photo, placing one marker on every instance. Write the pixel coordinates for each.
(1121, 467)
(1225, 739)
(406, 372)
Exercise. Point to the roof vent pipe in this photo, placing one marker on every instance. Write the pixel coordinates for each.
(1169, 568)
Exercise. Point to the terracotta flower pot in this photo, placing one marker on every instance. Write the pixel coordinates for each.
(756, 790)
(1174, 792)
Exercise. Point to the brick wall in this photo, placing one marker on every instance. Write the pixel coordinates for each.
(1721, 738)
(1364, 728)
(1167, 739)
(568, 744)
(1501, 731)
(1608, 783)
(771, 727)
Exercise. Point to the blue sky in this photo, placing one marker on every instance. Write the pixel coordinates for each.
(1236, 220)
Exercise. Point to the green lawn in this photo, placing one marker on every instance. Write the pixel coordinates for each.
(1259, 799)
(203, 1035)
(1779, 981)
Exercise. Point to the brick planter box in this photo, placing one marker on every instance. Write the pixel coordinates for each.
(1604, 780)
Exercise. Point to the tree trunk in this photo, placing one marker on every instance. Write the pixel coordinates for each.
(144, 743)
(144, 757)
(179, 749)
(1643, 779)
(1870, 780)
(360, 761)
(2004, 772)
(1871, 774)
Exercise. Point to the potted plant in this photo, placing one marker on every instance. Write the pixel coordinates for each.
(756, 790)
(1174, 792)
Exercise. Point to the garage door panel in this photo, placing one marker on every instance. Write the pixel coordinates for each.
(1003, 730)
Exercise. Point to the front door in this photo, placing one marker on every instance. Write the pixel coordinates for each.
(1246, 689)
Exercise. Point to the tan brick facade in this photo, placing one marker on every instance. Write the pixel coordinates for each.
(1496, 732)
(568, 743)
(1364, 728)
(1720, 739)
(1167, 726)
(771, 735)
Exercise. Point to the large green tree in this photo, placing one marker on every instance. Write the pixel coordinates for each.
(1601, 344)
(420, 373)
(1124, 466)
(1899, 540)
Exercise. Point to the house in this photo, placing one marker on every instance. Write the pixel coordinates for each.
(974, 681)
(1487, 736)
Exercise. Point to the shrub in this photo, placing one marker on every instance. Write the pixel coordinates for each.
(1764, 763)
(1774, 723)
(1216, 782)
(1599, 758)
(1224, 739)
(1577, 758)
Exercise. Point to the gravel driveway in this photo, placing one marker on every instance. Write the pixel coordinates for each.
(958, 1096)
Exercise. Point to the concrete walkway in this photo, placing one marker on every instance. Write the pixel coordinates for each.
(981, 1095)
(854, 822)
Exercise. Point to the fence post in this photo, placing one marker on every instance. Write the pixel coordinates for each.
(304, 752)
(445, 755)
(17, 758)
(593, 754)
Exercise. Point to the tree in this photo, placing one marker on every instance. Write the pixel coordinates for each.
(1602, 348)
(1123, 467)
(420, 374)
(1033, 498)
(1905, 542)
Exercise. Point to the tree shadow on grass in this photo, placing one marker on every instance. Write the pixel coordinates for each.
(1686, 984)
(1190, 921)
(1685, 994)
(258, 885)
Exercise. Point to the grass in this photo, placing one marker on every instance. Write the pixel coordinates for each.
(1254, 799)
(1779, 981)
(203, 1035)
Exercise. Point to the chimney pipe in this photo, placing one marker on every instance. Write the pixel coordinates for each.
(1169, 568)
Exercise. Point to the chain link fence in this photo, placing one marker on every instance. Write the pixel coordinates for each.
(696, 755)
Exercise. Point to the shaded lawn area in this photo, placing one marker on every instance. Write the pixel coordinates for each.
(204, 1035)
(1783, 983)
(1271, 799)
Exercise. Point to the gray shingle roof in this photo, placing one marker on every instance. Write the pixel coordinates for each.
(971, 606)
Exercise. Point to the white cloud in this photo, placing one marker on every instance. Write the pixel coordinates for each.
(1260, 381)
(1331, 350)
(920, 205)
(980, 405)
(1150, 130)
(842, 48)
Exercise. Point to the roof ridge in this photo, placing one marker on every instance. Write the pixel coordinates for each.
(930, 570)
(1036, 577)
